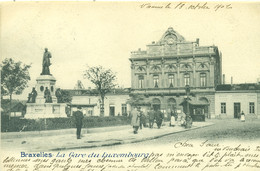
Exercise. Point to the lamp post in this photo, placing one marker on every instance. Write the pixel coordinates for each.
(187, 90)
(188, 117)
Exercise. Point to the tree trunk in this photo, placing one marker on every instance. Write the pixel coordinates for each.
(10, 107)
(102, 112)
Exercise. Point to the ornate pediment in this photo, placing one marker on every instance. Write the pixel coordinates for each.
(186, 67)
(141, 68)
(171, 67)
(203, 66)
(170, 37)
(156, 68)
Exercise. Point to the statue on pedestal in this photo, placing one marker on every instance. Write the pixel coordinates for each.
(32, 96)
(29, 98)
(58, 95)
(47, 95)
(46, 62)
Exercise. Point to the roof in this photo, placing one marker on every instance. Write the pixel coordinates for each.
(233, 87)
(172, 45)
(15, 105)
(94, 92)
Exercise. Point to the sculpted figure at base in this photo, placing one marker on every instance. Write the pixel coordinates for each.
(46, 63)
(58, 94)
(32, 96)
(47, 95)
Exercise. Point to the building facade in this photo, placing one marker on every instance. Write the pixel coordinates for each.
(162, 71)
(231, 100)
(115, 103)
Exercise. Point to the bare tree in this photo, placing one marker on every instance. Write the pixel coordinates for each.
(103, 79)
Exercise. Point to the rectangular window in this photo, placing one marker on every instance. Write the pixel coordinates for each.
(90, 111)
(155, 81)
(171, 80)
(223, 108)
(141, 81)
(203, 80)
(252, 107)
(186, 79)
(124, 109)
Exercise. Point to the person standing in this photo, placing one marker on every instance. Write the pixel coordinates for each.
(159, 118)
(172, 122)
(142, 118)
(242, 117)
(151, 118)
(135, 120)
(78, 116)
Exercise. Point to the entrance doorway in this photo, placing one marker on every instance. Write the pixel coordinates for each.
(156, 104)
(156, 107)
(111, 110)
(236, 110)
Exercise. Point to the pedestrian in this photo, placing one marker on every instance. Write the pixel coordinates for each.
(159, 118)
(142, 118)
(135, 120)
(172, 122)
(188, 121)
(78, 115)
(151, 116)
(242, 117)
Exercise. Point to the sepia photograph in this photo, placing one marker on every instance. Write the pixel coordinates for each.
(141, 85)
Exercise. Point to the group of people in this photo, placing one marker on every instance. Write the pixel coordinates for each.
(139, 119)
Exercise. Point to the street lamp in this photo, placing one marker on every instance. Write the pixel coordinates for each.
(188, 117)
(187, 90)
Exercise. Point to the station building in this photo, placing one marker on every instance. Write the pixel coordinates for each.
(163, 70)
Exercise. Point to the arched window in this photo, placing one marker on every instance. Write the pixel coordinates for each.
(203, 79)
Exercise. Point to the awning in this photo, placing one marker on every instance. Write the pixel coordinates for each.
(193, 101)
(83, 105)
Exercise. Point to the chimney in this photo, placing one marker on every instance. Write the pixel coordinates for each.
(223, 78)
(198, 41)
(231, 80)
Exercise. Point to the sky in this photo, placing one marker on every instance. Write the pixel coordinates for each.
(103, 33)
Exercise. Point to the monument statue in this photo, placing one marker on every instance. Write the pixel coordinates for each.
(32, 96)
(59, 95)
(29, 98)
(46, 62)
(47, 95)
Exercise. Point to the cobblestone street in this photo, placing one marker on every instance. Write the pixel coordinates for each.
(223, 130)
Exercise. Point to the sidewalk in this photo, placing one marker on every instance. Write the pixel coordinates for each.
(122, 135)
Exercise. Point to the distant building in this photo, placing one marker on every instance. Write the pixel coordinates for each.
(14, 109)
(231, 100)
(115, 102)
(162, 71)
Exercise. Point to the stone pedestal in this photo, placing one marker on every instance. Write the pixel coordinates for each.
(40, 109)
(47, 110)
(43, 82)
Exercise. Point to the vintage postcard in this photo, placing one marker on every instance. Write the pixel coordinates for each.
(130, 86)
